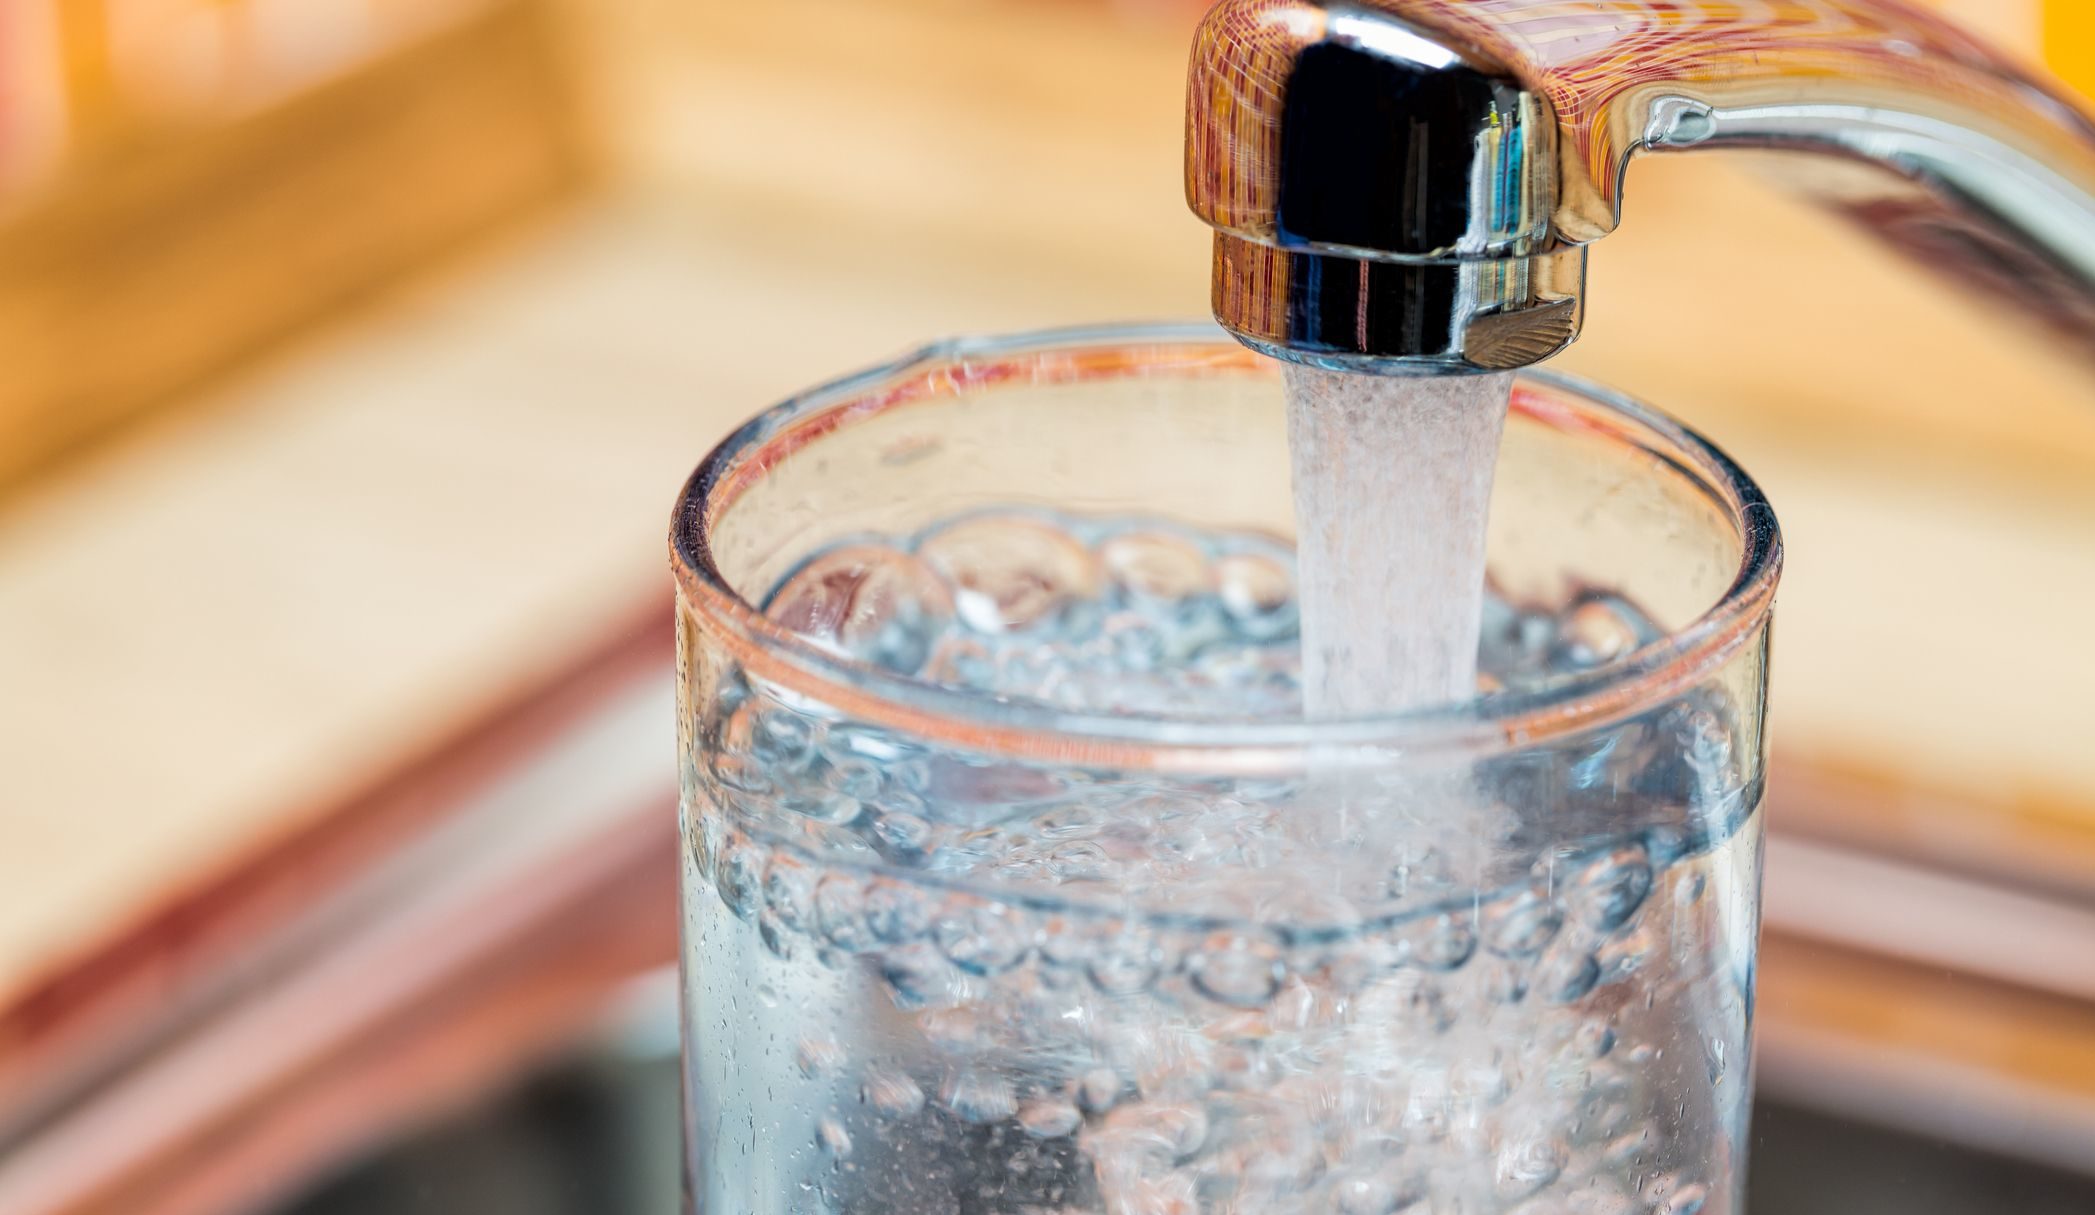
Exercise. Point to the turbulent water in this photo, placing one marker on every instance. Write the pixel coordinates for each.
(924, 979)
(1392, 481)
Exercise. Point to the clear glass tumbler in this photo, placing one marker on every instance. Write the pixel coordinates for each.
(1014, 880)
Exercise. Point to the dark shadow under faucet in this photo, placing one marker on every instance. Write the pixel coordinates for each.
(1408, 186)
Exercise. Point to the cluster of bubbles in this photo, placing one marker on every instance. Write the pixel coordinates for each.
(1154, 997)
(1473, 1053)
(1075, 613)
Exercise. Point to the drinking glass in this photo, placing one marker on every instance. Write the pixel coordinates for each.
(1014, 879)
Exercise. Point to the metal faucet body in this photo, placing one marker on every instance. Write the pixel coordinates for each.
(1408, 186)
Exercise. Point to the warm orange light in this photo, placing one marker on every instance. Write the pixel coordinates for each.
(2069, 42)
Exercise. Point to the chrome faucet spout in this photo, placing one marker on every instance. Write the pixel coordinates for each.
(1407, 186)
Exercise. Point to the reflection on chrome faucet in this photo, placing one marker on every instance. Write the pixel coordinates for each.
(1413, 182)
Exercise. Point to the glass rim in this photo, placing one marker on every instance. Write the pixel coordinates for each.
(1024, 729)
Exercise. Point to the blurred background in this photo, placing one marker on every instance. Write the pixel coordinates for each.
(351, 352)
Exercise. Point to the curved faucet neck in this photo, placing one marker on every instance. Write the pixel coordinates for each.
(1981, 170)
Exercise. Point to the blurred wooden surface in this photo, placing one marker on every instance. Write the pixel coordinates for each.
(365, 541)
(162, 255)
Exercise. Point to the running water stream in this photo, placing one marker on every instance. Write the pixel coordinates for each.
(1392, 496)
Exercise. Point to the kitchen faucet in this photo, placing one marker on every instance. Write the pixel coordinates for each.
(1409, 186)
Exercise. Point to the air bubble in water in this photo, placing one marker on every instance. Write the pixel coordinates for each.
(1612, 888)
(982, 937)
(978, 1095)
(840, 912)
(783, 741)
(1124, 965)
(1010, 572)
(789, 889)
(1258, 592)
(895, 911)
(903, 837)
(1170, 1194)
(778, 942)
(917, 976)
(892, 1093)
(1442, 942)
(1523, 926)
(953, 1031)
(1380, 1192)
(869, 602)
(818, 1055)
(1156, 565)
(1528, 1164)
(1627, 1149)
(1566, 975)
(705, 833)
(1099, 1089)
(1600, 630)
(1593, 1039)
(1236, 971)
(1481, 1082)
(834, 1139)
(1181, 1126)
(740, 879)
(1049, 1118)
